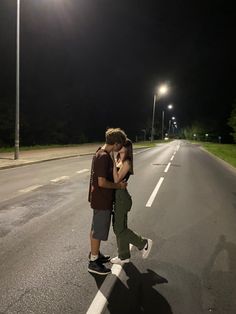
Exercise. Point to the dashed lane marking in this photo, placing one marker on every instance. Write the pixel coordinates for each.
(172, 157)
(82, 171)
(167, 167)
(30, 188)
(154, 193)
(60, 179)
(100, 300)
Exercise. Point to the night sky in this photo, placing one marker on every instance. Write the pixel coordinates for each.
(87, 65)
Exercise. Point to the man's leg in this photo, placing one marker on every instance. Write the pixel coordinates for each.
(95, 245)
(100, 229)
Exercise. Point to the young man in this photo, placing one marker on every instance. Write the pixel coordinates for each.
(101, 196)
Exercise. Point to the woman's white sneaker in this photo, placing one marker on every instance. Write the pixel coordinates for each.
(117, 260)
(147, 248)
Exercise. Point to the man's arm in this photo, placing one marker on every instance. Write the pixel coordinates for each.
(104, 183)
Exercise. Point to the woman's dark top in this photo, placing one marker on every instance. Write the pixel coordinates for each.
(126, 178)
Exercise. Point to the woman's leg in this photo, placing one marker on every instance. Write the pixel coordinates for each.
(124, 235)
(120, 227)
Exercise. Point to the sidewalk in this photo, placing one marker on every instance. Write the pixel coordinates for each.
(41, 155)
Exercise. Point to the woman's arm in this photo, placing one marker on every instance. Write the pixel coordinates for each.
(115, 172)
(118, 176)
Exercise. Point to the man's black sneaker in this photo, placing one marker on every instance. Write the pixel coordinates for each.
(102, 258)
(97, 267)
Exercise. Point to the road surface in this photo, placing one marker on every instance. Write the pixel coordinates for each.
(183, 198)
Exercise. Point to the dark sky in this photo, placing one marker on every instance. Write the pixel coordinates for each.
(97, 63)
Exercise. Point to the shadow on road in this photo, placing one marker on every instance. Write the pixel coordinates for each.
(138, 295)
(99, 279)
(219, 277)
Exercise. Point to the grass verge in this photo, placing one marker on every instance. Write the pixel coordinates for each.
(227, 152)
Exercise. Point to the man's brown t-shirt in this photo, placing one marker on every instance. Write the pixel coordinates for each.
(102, 166)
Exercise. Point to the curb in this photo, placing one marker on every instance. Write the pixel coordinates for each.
(52, 159)
(43, 160)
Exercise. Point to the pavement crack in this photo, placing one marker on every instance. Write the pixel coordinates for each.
(14, 302)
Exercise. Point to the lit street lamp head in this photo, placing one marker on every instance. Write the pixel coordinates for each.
(170, 106)
(162, 90)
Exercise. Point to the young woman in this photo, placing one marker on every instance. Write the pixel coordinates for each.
(122, 169)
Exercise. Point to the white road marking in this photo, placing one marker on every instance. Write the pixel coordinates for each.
(30, 188)
(154, 193)
(60, 179)
(100, 300)
(167, 168)
(82, 171)
(172, 157)
(135, 153)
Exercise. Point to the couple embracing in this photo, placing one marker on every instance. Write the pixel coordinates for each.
(108, 196)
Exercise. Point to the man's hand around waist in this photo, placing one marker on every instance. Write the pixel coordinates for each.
(123, 185)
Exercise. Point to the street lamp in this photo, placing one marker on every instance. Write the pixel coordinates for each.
(17, 122)
(161, 91)
(172, 118)
(163, 120)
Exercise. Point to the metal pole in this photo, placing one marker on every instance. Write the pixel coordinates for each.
(169, 128)
(162, 125)
(153, 115)
(17, 122)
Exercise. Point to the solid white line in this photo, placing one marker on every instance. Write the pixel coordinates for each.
(81, 171)
(30, 188)
(135, 153)
(154, 193)
(167, 168)
(172, 157)
(60, 179)
(100, 301)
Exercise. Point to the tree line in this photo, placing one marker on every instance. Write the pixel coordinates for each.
(67, 125)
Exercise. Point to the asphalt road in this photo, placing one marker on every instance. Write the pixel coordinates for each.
(45, 220)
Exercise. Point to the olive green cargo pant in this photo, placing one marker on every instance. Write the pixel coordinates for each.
(124, 236)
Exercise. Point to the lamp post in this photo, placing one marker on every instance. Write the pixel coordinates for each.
(163, 121)
(169, 128)
(161, 91)
(17, 122)
(144, 134)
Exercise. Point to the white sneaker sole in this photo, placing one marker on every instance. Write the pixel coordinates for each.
(119, 262)
(96, 272)
(146, 253)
